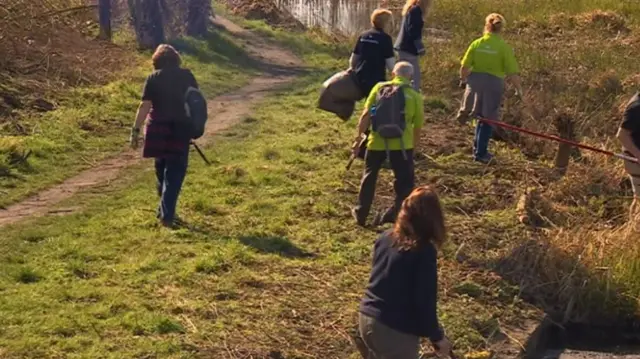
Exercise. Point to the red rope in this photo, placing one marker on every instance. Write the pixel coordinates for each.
(544, 135)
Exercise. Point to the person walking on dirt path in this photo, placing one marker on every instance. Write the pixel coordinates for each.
(400, 303)
(398, 150)
(629, 136)
(488, 61)
(163, 101)
(409, 41)
(373, 55)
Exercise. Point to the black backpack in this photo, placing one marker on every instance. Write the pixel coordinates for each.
(387, 120)
(195, 105)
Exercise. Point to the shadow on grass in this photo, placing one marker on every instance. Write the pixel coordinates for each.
(219, 48)
(275, 245)
(585, 308)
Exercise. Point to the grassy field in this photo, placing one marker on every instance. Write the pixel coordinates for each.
(269, 260)
(271, 265)
(92, 123)
(575, 256)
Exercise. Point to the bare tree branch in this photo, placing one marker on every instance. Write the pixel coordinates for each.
(64, 11)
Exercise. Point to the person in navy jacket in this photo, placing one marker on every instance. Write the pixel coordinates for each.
(409, 42)
(400, 303)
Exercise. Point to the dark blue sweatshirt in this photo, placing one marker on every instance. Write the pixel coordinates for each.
(403, 287)
(410, 31)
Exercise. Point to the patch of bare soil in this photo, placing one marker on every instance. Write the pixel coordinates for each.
(49, 46)
(266, 10)
(279, 67)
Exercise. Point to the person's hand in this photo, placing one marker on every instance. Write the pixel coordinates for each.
(134, 139)
(355, 149)
(443, 348)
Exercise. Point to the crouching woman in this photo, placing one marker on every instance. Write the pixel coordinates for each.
(166, 138)
(399, 305)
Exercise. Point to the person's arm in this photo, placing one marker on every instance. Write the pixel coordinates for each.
(415, 25)
(517, 83)
(418, 121)
(466, 65)
(426, 294)
(388, 53)
(143, 111)
(512, 69)
(365, 119)
(353, 60)
(355, 55)
(363, 123)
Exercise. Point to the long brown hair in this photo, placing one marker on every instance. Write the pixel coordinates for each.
(425, 5)
(420, 220)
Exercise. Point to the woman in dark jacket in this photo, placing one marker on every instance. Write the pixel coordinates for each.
(372, 56)
(163, 101)
(373, 53)
(399, 305)
(409, 42)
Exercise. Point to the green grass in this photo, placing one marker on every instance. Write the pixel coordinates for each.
(92, 123)
(270, 256)
(271, 263)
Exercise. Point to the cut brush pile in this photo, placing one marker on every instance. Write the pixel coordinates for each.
(48, 46)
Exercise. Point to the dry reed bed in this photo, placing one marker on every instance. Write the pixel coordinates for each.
(575, 256)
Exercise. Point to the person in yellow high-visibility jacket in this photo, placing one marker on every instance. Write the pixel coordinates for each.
(489, 60)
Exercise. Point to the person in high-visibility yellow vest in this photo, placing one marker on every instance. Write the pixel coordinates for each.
(488, 61)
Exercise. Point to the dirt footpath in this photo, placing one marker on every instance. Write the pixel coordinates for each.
(278, 67)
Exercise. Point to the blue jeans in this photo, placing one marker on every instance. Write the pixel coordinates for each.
(170, 174)
(484, 97)
(481, 141)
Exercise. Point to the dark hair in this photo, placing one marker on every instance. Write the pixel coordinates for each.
(420, 220)
(165, 56)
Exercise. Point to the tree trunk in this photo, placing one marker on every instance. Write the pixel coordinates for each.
(105, 19)
(146, 16)
(198, 13)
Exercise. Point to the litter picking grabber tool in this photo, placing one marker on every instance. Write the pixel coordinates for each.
(195, 145)
(353, 156)
(558, 139)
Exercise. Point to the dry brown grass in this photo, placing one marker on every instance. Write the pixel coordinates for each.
(267, 11)
(573, 274)
(48, 48)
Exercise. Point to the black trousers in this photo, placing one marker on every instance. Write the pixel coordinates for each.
(403, 184)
